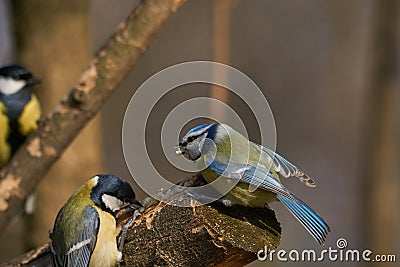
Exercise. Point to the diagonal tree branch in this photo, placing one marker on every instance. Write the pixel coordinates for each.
(105, 71)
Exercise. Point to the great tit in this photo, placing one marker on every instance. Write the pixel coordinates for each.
(85, 231)
(19, 109)
(220, 151)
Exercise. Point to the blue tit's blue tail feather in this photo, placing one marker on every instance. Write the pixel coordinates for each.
(314, 224)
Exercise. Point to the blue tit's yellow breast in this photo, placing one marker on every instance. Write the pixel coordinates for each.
(240, 194)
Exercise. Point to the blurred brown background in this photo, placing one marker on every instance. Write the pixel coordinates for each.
(329, 69)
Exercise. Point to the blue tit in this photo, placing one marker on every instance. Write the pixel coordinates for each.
(19, 109)
(85, 231)
(222, 152)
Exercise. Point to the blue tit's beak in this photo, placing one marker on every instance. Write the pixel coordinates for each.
(33, 81)
(178, 150)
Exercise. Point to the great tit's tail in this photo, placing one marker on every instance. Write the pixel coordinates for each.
(314, 224)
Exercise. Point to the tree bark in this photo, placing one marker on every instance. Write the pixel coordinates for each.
(105, 71)
(200, 236)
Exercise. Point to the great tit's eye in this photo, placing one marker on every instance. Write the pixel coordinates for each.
(25, 76)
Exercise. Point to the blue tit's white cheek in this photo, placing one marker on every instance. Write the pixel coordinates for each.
(209, 148)
(112, 202)
(10, 86)
(193, 150)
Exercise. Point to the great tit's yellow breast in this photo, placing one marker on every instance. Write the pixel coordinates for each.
(240, 194)
(28, 120)
(105, 253)
(5, 149)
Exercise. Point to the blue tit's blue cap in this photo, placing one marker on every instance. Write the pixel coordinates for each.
(197, 128)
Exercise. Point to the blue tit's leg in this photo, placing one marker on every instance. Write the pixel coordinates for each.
(124, 231)
(177, 194)
(226, 202)
(205, 199)
(199, 197)
(246, 220)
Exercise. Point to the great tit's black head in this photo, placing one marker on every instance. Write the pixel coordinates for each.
(14, 77)
(112, 193)
(191, 145)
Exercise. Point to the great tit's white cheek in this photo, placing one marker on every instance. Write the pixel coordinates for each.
(10, 86)
(112, 202)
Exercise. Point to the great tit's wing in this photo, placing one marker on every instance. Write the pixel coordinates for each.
(285, 168)
(314, 224)
(78, 255)
(247, 173)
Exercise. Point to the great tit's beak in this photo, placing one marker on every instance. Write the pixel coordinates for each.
(135, 205)
(128, 210)
(33, 81)
(132, 205)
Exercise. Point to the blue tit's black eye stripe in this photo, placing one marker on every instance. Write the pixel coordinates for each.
(188, 140)
(198, 131)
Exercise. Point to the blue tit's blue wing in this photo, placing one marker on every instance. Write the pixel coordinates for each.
(79, 254)
(285, 168)
(259, 177)
(314, 224)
